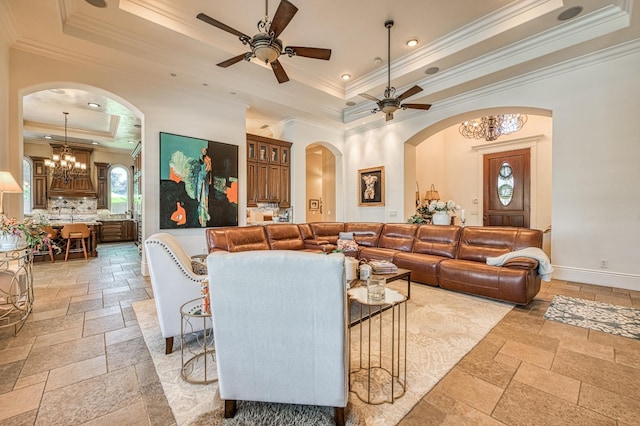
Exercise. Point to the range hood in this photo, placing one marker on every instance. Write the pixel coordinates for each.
(79, 187)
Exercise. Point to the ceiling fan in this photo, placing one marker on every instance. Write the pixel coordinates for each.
(266, 46)
(390, 103)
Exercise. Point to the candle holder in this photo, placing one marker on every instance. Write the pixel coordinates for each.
(463, 221)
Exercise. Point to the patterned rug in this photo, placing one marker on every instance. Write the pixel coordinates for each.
(599, 316)
(442, 328)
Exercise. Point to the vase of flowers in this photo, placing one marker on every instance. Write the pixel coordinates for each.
(440, 212)
(14, 233)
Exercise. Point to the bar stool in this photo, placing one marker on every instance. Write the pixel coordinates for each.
(51, 235)
(74, 232)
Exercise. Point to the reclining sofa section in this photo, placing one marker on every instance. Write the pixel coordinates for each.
(449, 256)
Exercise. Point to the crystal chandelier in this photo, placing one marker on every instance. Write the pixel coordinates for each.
(492, 127)
(64, 165)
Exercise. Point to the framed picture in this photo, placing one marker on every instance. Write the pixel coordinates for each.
(314, 204)
(198, 183)
(371, 187)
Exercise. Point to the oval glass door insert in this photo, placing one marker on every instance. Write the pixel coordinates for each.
(505, 183)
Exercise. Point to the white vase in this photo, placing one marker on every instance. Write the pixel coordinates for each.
(441, 218)
(9, 241)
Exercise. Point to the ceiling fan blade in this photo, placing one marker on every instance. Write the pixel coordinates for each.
(410, 92)
(368, 96)
(209, 20)
(284, 15)
(311, 52)
(389, 116)
(232, 61)
(417, 106)
(280, 73)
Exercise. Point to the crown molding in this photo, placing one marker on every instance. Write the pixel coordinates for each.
(593, 25)
(8, 23)
(489, 26)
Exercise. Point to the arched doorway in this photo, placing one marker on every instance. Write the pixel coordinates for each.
(320, 184)
(441, 156)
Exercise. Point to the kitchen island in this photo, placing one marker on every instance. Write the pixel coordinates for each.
(60, 244)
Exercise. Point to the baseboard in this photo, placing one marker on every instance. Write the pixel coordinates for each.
(144, 268)
(603, 278)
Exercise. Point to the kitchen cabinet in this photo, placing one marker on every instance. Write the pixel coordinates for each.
(102, 172)
(268, 171)
(39, 190)
(118, 230)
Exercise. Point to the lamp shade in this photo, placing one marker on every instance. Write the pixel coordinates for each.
(432, 194)
(8, 183)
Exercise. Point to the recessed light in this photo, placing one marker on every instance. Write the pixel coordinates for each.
(97, 3)
(173, 74)
(233, 93)
(350, 103)
(264, 126)
(431, 70)
(572, 12)
(377, 61)
(93, 104)
(412, 42)
(345, 76)
(49, 137)
(205, 84)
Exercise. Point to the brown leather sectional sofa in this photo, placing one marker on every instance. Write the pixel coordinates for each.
(450, 257)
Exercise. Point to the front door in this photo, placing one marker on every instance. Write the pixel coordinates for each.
(506, 188)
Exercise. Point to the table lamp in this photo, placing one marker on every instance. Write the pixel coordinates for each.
(7, 184)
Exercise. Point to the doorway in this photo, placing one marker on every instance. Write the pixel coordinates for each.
(320, 184)
(507, 185)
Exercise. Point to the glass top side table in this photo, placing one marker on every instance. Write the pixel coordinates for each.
(16, 286)
(197, 345)
(378, 348)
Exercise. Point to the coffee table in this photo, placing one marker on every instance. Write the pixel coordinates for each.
(400, 275)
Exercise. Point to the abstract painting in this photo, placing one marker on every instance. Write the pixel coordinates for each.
(198, 183)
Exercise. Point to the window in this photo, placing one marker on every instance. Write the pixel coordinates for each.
(27, 173)
(119, 185)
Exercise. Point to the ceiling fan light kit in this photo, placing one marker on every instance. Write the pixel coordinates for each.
(266, 46)
(391, 103)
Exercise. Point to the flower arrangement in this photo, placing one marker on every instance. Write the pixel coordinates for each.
(28, 229)
(441, 206)
(425, 212)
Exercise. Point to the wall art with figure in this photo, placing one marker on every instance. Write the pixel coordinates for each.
(198, 183)
(371, 186)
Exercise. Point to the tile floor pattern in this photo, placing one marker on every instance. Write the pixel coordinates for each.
(81, 359)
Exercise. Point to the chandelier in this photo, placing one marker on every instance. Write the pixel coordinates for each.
(492, 127)
(64, 165)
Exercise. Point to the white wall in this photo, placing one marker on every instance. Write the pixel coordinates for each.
(595, 104)
(161, 108)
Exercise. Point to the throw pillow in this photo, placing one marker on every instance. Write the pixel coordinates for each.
(345, 236)
(347, 245)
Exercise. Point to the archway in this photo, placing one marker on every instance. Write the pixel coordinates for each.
(320, 184)
(439, 155)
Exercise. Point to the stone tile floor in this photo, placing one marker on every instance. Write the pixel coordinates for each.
(81, 359)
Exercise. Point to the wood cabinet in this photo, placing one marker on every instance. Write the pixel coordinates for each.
(268, 171)
(40, 186)
(118, 230)
(102, 189)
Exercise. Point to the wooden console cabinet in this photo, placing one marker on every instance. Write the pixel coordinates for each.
(268, 171)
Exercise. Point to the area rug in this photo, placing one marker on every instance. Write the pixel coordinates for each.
(619, 320)
(442, 328)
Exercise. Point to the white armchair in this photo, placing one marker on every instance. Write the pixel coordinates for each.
(173, 282)
(280, 326)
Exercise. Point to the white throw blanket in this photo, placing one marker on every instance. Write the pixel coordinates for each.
(544, 264)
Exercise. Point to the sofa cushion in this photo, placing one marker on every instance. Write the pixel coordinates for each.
(284, 237)
(477, 243)
(424, 267)
(217, 239)
(511, 284)
(366, 234)
(397, 236)
(376, 253)
(437, 240)
(247, 238)
(327, 230)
